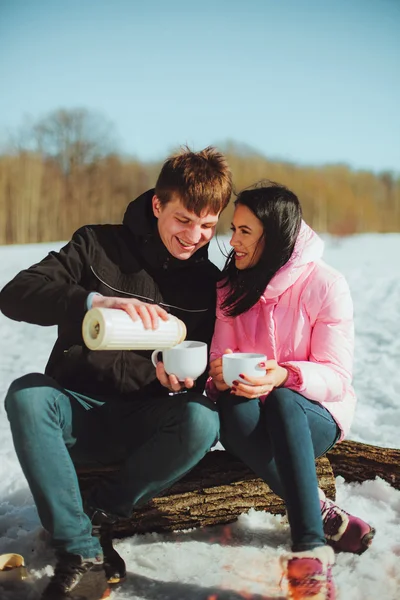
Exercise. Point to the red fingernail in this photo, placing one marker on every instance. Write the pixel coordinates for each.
(235, 382)
(241, 375)
(233, 389)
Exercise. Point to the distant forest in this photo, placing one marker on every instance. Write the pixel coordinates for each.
(65, 171)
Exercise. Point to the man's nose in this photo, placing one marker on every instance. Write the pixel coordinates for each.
(194, 234)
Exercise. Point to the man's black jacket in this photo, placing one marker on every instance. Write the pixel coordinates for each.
(127, 260)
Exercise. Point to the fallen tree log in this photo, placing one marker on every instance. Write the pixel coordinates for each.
(216, 491)
(358, 462)
(221, 487)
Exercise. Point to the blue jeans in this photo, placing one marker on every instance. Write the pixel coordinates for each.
(157, 440)
(279, 440)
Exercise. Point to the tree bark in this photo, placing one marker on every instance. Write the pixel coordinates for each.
(221, 487)
(216, 491)
(358, 462)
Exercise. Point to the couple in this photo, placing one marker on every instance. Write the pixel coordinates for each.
(275, 296)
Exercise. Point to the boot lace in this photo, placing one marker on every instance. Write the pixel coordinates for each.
(332, 517)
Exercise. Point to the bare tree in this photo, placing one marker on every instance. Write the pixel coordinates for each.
(72, 137)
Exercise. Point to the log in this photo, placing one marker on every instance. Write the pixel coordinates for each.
(221, 487)
(358, 462)
(216, 491)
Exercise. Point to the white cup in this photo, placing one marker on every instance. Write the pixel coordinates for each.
(246, 363)
(187, 359)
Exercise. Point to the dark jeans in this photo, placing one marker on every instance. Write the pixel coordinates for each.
(157, 439)
(279, 440)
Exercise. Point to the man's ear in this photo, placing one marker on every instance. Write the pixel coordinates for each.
(156, 206)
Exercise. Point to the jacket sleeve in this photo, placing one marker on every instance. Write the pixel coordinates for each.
(50, 292)
(327, 374)
(223, 338)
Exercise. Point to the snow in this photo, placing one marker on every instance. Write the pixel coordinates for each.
(238, 560)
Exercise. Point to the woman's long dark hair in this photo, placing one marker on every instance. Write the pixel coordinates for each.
(279, 211)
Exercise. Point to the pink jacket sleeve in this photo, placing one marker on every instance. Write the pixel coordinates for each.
(327, 375)
(223, 339)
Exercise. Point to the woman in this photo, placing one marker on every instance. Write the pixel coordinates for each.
(277, 297)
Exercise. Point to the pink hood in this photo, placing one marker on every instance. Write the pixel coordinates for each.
(308, 249)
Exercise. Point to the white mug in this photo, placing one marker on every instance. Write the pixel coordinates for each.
(245, 363)
(187, 359)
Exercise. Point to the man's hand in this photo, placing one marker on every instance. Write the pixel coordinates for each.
(148, 313)
(171, 381)
(215, 372)
(261, 386)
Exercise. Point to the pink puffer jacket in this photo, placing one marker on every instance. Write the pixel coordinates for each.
(304, 320)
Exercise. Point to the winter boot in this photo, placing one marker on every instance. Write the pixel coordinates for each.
(309, 574)
(344, 532)
(77, 578)
(102, 528)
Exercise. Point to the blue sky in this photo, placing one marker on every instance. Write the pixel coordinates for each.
(311, 81)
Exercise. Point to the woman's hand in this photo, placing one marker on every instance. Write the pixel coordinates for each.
(215, 373)
(261, 386)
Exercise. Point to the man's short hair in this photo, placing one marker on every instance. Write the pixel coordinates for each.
(201, 180)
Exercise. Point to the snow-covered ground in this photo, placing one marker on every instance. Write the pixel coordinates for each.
(239, 560)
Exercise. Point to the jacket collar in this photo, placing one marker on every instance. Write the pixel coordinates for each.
(142, 223)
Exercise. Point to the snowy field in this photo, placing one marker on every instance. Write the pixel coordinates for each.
(240, 560)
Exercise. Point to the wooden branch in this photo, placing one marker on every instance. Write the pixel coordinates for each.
(358, 462)
(216, 491)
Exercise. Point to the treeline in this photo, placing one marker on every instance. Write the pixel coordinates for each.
(46, 195)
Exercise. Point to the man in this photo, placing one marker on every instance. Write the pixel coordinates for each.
(113, 406)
